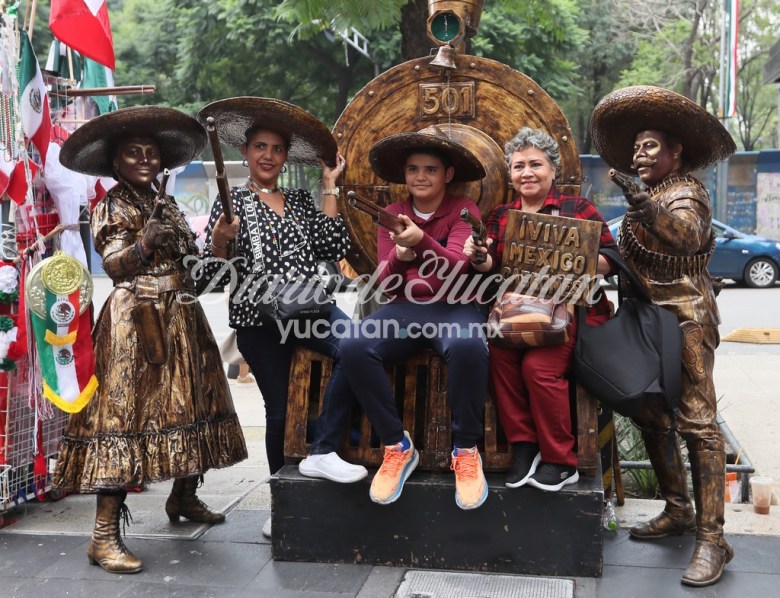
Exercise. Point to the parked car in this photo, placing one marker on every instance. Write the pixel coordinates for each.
(748, 259)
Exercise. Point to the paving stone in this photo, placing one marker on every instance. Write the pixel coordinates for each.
(311, 577)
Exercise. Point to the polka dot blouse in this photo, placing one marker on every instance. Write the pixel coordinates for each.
(292, 245)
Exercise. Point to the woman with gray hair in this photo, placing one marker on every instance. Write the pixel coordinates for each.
(530, 386)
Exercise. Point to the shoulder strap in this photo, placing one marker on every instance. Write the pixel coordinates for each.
(617, 259)
(255, 238)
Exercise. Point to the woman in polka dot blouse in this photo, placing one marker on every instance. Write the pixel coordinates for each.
(293, 237)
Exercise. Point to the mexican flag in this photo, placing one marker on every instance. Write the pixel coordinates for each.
(17, 186)
(731, 18)
(65, 352)
(33, 99)
(84, 26)
(97, 75)
(86, 71)
(8, 152)
(7, 166)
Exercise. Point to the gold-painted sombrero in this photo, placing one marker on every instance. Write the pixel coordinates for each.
(309, 138)
(90, 149)
(620, 115)
(388, 155)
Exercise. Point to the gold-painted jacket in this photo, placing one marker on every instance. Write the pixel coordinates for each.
(155, 415)
(670, 257)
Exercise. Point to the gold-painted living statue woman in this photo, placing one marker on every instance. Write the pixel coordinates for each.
(163, 408)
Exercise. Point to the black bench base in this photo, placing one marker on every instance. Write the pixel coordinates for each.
(522, 530)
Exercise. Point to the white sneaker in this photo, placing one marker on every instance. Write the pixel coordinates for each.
(333, 468)
(267, 527)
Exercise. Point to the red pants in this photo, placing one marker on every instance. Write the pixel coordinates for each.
(532, 396)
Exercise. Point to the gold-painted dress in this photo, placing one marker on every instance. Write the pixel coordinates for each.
(149, 421)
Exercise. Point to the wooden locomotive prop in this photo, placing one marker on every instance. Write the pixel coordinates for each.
(481, 104)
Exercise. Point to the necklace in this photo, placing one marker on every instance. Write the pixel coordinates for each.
(250, 183)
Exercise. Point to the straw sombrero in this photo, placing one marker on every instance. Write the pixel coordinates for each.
(388, 155)
(620, 115)
(90, 149)
(309, 138)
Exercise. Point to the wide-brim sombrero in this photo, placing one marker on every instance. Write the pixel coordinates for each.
(388, 155)
(90, 149)
(620, 115)
(309, 138)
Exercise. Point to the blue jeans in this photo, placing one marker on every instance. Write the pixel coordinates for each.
(268, 355)
(364, 356)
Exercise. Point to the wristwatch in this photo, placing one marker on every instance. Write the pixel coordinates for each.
(333, 191)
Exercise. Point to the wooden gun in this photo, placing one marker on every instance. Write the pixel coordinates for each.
(219, 164)
(625, 182)
(478, 233)
(159, 203)
(378, 215)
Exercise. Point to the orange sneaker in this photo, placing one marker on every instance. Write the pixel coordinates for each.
(470, 484)
(396, 467)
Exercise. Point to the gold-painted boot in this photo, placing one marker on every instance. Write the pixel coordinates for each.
(184, 502)
(678, 516)
(106, 547)
(712, 552)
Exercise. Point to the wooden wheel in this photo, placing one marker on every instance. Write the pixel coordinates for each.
(481, 104)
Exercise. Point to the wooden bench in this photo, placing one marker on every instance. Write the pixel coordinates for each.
(420, 389)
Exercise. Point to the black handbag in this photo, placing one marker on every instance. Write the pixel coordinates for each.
(302, 298)
(634, 356)
(299, 299)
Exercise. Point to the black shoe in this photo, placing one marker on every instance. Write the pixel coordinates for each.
(525, 460)
(232, 372)
(552, 476)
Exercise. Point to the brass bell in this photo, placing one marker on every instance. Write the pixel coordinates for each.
(445, 57)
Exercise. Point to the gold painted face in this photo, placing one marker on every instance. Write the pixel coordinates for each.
(138, 161)
(653, 158)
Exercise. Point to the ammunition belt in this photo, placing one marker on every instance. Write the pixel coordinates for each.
(661, 264)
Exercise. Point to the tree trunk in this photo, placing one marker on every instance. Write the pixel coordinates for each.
(414, 34)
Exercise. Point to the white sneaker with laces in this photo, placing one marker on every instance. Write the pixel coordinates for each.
(267, 527)
(331, 467)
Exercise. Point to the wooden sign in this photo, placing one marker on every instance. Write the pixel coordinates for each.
(551, 256)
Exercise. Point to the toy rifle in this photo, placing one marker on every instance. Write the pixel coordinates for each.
(478, 233)
(629, 187)
(219, 164)
(159, 202)
(378, 215)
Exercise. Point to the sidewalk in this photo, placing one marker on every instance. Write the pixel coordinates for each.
(44, 551)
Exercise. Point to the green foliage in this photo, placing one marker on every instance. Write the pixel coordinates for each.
(538, 43)
(578, 50)
(314, 16)
(606, 50)
(631, 447)
(197, 52)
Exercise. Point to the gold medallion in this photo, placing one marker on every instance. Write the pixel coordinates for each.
(60, 274)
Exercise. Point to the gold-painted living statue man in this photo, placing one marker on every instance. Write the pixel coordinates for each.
(667, 241)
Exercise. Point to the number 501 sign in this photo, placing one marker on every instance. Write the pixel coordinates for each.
(443, 100)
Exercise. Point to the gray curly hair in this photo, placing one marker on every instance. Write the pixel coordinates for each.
(528, 137)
